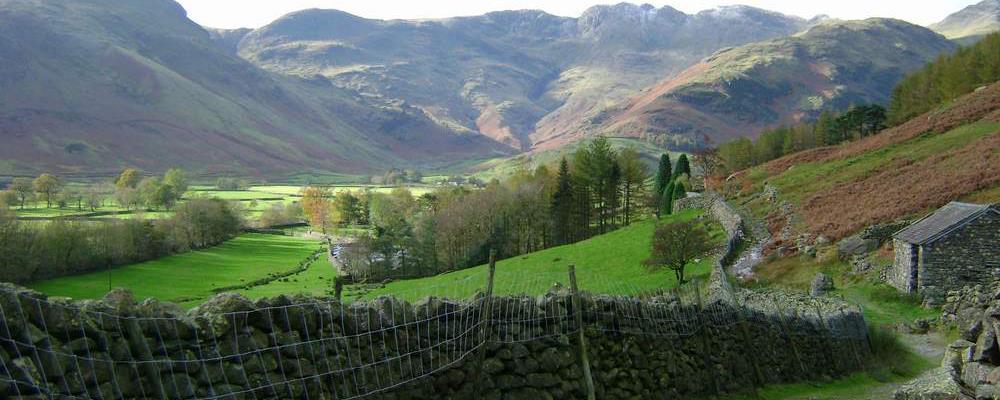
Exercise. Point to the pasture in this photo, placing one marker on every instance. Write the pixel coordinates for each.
(317, 280)
(254, 199)
(611, 263)
(191, 277)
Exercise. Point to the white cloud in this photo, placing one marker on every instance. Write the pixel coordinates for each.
(255, 13)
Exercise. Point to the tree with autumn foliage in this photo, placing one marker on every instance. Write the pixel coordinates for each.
(318, 206)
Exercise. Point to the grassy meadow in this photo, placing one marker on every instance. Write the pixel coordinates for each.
(611, 263)
(189, 278)
(254, 199)
(317, 280)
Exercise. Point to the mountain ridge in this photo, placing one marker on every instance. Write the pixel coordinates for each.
(973, 21)
(515, 76)
(87, 86)
(743, 90)
(97, 85)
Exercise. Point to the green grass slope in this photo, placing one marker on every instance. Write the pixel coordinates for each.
(610, 263)
(316, 280)
(190, 277)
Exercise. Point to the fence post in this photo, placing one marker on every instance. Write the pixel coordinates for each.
(864, 326)
(703, 332)
(791, 338)
(484, 316)
(749, 350)
(826, 338)
(578, 314)
(338, 287)
(851, 340)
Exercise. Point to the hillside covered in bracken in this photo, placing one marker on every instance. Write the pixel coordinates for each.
(950, 153)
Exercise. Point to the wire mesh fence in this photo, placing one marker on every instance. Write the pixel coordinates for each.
(320, 348)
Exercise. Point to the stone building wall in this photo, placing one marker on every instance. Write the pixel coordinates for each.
(667, 346)
(900, 275)
(970, 255)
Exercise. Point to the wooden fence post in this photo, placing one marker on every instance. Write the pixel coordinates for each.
(484, 315)
(826, 339)
(703, 332)
(791, 338)
(578, 314)
(864, 325)
(851, 340)
(748, 344)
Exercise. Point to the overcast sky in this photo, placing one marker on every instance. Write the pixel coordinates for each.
(256, 13)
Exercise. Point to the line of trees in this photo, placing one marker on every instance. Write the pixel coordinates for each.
(132, 191)
(31, 251)
(671, 183)
(830, 129)
(595, 190)
(945, 79)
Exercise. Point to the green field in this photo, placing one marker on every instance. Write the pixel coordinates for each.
(610, 263)
(317, 280)
(255, 200)
(190, 277)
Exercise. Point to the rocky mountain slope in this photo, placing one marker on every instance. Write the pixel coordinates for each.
(521, 78)
(740, 91)
(91, 86)
(971, 22)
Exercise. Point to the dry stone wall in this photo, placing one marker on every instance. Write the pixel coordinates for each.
(671, 345)
(971, 365)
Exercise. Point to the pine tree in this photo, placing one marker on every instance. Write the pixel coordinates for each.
(562, 205)
(683, 166)
(679, 191)
(667, 200)
(663, 174)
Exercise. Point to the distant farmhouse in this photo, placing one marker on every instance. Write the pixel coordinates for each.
(956, 246)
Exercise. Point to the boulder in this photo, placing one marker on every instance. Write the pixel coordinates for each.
(856, 245)
(937, 384)
(821, 285)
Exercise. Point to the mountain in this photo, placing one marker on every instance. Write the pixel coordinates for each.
(520, 78)
(91, 86)
(228, 39)
(971, 22)
(741, 91)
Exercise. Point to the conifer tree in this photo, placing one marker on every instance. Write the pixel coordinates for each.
(679, 191)
(683, 166)
(667, 199)
(562, 205)
(663, 174)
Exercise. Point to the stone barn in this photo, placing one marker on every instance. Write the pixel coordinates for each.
(955, 246)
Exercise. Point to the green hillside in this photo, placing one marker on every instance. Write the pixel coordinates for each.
(190, 278)
(611, 263)
(950, 153)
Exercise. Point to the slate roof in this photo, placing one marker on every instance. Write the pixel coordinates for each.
(941, 222)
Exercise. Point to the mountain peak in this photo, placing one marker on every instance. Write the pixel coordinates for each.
(975, 20)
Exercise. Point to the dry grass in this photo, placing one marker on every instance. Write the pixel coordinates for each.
(903, 187)
(944, 155)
